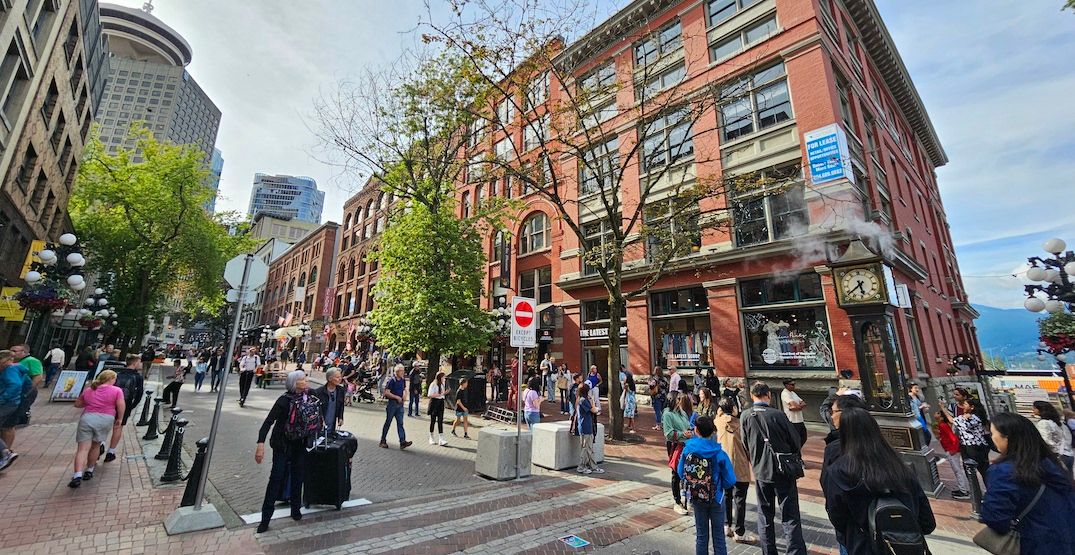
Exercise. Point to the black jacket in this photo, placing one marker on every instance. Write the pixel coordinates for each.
(277, 420)
(322, 394)
(758, 420)
(847, 500)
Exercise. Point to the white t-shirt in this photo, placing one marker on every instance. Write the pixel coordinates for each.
(673, 381)
(434, 390)
(787, 396)
(249, 363)
(57, 357)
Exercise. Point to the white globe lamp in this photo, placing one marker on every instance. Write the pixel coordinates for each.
(1053, 306)
(98, 291)
(1035, 274)
(68, 239)
(75, 280)
(1034, 304)
(79, 287)
(33, 277)
(47, 256)
(1054, 246)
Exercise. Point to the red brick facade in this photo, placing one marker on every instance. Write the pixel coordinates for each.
(306, 267)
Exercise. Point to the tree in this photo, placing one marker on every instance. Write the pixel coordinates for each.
(403, 126)
(146, 230)
(620, 175)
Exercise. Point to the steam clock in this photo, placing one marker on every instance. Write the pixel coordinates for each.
(866, 290)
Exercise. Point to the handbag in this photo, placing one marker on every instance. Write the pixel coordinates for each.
(673, 460)
(1005, 544)
(788, 464)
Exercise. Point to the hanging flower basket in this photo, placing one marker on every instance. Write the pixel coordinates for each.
(90, 323)
(1059, 343)
(42, 298)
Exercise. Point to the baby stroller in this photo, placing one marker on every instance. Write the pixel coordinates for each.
(361, 390)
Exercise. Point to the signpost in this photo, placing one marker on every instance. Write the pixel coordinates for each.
(523, 334)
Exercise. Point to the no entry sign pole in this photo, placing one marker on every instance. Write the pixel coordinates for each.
(523, 334)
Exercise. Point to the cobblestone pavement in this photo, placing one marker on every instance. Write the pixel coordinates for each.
(425, 500)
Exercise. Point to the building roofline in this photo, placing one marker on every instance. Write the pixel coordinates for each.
(132, 23)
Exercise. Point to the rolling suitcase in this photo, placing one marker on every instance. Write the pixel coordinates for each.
(328, 472)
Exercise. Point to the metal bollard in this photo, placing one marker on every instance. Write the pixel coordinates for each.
(194, 476)
(970, 466)
(175, 458)
(144, 419)
(151, 433)
(169, 436)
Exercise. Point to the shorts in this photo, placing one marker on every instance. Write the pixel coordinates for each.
(7, 415)
(94, 426)
(460, 413)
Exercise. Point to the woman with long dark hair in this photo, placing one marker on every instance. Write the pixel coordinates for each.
(1026, 467)
(629, 402)
(1053, 431)
(867, 470)
(677, 430)
(436, 393)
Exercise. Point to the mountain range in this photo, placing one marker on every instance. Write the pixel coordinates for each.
(1008, 333)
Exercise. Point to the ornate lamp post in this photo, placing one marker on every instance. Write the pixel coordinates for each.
(304, 329)
(1054, 291)
(52, 282)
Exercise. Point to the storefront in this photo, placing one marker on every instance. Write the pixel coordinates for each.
(679, 321)
(785, 324)
(594, 335)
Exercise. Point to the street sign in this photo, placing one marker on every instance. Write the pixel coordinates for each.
(523, 322)
(233, 295)
(233, 272)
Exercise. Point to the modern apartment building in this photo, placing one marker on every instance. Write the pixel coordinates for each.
(216, 168)
(299, 289)
(286, 196)
(148, 82)
(758, 299)
(49, 81)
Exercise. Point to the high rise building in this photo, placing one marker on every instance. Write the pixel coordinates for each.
(216, 167)
(50, 81)
(287, 196)
(148, 83)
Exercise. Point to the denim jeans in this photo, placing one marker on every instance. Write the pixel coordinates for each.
(412, 402)
(199, 377)
(550, 388)
(709, 523)
(394, 410)
(51, 372)
(532, 418)
(564, 405)
(783, 494)
(658, 410)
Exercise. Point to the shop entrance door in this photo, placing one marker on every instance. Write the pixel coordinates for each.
(599, 356)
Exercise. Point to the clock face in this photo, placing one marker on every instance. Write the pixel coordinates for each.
(861, 285)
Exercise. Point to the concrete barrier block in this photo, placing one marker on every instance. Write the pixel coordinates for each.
(496, 453)
(556, 449)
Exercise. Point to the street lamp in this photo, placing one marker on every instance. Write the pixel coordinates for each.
(1054, 275)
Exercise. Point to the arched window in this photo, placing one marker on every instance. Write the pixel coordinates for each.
(369, 209)
(302, 279)
(466, 205)
(498, 246)
(380, 201)
(362, 264)
(479, 195)
(341, 272)
(535, 233)
(347, 222)
(291, 285)
(313, 275)
(351, 270)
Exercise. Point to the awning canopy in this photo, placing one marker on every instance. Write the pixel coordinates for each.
(287, 332)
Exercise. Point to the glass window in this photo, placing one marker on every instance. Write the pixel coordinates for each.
(679, 301)
(720, 11)
(668, 139)
(671, 229)
(756, 103)
(788, 338)
(658, 44)
(498, 246)
(536, 284)
(598, 168)
(658, 83)
(537, 90)
(505, 111)
(535, 132)
(725, 48)
(600, 78)
(600, 115)
(774, 290)
(504, 149)
(535, 233)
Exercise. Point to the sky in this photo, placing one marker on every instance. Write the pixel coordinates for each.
(998, 89)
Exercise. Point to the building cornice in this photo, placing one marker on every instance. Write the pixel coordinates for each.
(882, 50)
(616, 28)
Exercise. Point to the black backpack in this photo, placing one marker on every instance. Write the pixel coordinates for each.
(894, 527)
(128, 382)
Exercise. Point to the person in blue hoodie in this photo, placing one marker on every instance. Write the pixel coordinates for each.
(1027, 465)
(708, 514)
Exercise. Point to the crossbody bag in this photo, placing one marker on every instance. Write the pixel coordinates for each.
(788, 464)
(1006, 544)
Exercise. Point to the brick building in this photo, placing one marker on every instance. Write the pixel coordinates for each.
(759, 299)
(299, 288)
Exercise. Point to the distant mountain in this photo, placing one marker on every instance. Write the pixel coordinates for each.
(1007, 332)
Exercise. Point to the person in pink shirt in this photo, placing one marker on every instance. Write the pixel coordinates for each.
(532, 402)
(102, 403)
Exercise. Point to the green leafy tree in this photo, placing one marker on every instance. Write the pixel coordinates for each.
(146, 231)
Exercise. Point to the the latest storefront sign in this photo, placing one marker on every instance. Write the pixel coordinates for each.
(599, 333)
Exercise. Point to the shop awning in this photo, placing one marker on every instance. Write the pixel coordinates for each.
(287, 332)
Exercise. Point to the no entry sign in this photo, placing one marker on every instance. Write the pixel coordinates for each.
(523, 322)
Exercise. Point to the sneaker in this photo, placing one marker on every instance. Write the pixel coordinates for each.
(75, 482)
(383, 445)
(580, 470)
(405, 444)
(87, 475)
(455, 434)
(263, 527)
(110, 457)
(6, 460)
(587, 471)
(432, 441)
(679, 509)
(958, 494)
(442, 442)
(598, 470)
(465, 436)
(746, 538)
(728, 531)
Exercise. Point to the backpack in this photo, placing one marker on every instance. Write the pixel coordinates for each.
(894, 528)
(128, 382)
(303, 418)
(698, 477)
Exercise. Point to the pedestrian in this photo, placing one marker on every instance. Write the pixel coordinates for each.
(462, 412)
(674, 380)
(629, 402)
(594, 379)
(793, 405)
(833, 449)
(171, 391)
(950, 444)
(200, 368)
(248, 364)
(300, 359)
(218, 364)
(919, 409)
(147, 358)
(331, 397)
(706, 405)
(1054, 431)
(735, 496)
(867, 472)
(102, 402)
(13, 383)
(289, 444)
(86, 361)
(532, 403)
(56, 359)
(563, 383)
(711, 382)
(573, 392)
(35, 371)
(550, 380)
(677, 430)
(586, 422)
(708, 474)
(658, 394)
(129, 380)
(1029, 490)
(436, 409)
(393, 390)
(971, 432)
(775, 455)
(414, 388)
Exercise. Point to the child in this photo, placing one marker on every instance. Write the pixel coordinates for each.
(259, 376)
(199, 373)
(951, 450)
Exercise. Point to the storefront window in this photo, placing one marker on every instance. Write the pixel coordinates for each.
(597, 310)
(805, 287)
(796, 338)
(679, 301)
(681, 331)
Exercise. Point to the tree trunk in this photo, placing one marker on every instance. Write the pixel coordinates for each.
(615, 417)
(433, 367)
